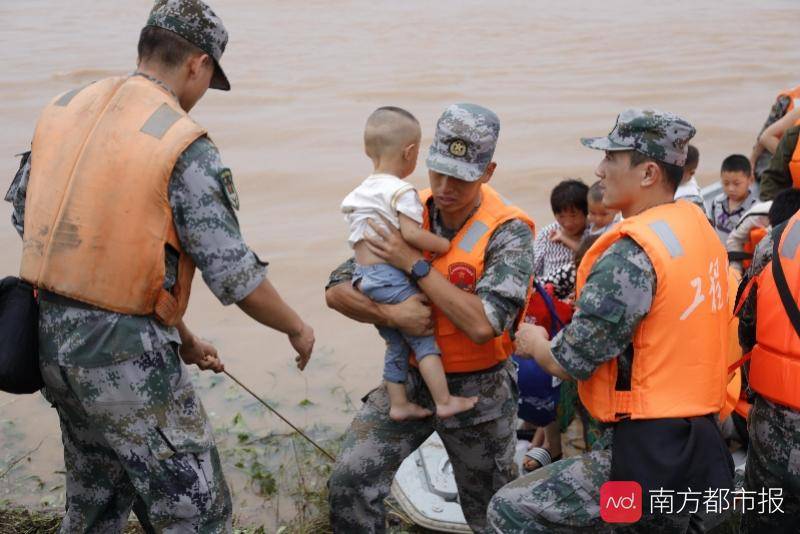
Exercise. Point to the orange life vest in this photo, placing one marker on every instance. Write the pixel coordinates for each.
(794, 164)
(734, 387)
(679, 347)
(463, 266)
(775, 359)
(97, 213)
(756, 235)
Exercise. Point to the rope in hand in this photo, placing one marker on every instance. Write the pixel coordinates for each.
(273, 410)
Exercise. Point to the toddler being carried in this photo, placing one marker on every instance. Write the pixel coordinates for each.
(391, 140)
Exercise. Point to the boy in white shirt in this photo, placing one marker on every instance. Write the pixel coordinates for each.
(689, 189)
(391, 141)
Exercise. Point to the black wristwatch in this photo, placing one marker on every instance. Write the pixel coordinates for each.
(420, 269)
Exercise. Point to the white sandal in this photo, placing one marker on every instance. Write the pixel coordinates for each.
(542, 456)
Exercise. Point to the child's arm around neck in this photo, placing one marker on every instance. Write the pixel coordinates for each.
(415, 236)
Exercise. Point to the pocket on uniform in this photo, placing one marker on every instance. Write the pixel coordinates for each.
(181, 475)
(181, 472)
(186, 426)
(497, 397)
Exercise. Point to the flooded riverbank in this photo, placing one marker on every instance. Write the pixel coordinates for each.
(305, 77)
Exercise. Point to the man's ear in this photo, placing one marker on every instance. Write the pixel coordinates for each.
(652, 174)
(196, 64)
(488, 173)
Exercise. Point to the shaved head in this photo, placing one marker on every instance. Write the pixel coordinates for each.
(390, 130)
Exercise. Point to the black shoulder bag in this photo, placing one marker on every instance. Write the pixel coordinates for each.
(19, 337)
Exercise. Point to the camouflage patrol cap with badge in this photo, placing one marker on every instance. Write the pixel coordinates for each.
(197, 23)
(464, 143)
(660, 135)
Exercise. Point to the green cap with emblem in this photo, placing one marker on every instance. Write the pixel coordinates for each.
(197, 23)
(464, 143)
(661, 135)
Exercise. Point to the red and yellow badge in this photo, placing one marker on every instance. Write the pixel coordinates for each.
(226, 177)
(463, 276)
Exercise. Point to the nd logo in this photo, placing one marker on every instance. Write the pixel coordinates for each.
(621, 501)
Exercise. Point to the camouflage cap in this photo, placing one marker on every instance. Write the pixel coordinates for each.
(197, 23)
(463, 146)
(662, 136)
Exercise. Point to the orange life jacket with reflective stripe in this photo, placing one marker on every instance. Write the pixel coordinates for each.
(97, 213)
(756, 235)
(775, 359)
(734, 387)
(463, 266)
(794, 164)
(680, 346)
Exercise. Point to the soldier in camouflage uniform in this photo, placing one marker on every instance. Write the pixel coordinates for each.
(134, 431)
(617, 295)
(773, 457)
(760, 157)
(481, 441)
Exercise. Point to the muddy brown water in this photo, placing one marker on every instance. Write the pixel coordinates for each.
(306, 75)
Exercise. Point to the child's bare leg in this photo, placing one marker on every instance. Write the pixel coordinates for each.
(432, 371)
(401, 409)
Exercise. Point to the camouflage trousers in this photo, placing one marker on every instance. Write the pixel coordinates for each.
(564, 497)
(480, 444)
(773, 461)
(135, 431)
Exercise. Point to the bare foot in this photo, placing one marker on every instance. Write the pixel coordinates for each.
(409, 410)
(455, 405)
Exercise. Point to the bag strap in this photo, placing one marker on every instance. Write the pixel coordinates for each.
(555, 321)
(783, 286)
(745, 288)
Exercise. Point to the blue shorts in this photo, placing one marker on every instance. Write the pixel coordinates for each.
(385, 284)
(538, 399)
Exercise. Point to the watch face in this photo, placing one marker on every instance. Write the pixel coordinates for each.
(421, 269)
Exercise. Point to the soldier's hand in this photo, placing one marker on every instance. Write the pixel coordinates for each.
(527, 338)
(303, 343)
(412, 316)
(388, 244)
(202, 354)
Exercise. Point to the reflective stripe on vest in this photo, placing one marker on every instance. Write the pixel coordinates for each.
(96, 227)
(667, 237)
(463, 266)
(476, 231)
(691, 298)
(161, 121)
(775, 361)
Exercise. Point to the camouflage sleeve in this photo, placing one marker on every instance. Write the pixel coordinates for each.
(542, 238)
(617, 295)
(16, 193)
(747, 314)
(778, 110)
(508, 267)
(777, 176)
(207, 225)
(343, 273)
